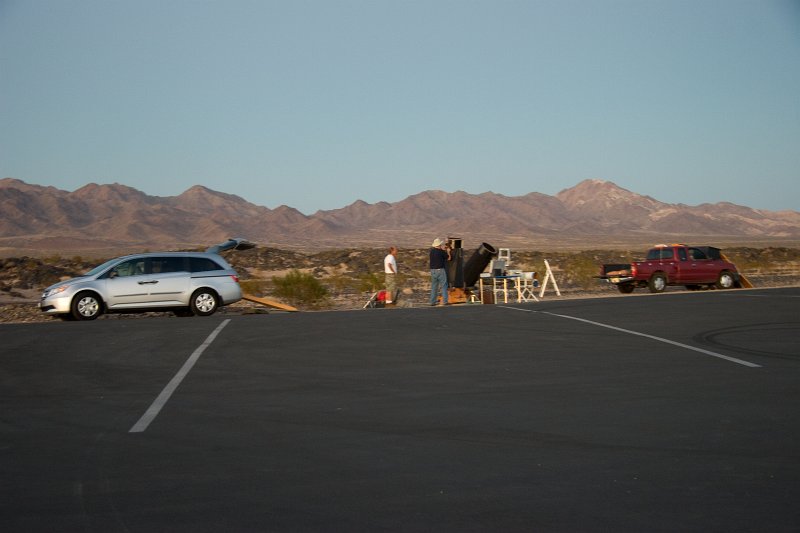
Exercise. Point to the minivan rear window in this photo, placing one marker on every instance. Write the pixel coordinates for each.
(204, 264)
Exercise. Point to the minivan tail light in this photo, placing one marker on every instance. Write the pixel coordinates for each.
(235, 278)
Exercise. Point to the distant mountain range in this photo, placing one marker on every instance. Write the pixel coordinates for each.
(594, 213)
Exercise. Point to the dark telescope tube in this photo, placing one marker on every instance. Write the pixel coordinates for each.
(478, 263)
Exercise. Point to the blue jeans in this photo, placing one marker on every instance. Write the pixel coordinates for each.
(438, 279)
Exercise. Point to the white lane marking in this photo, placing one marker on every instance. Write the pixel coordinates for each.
(659, 339)
(161, 399)
(764, 295)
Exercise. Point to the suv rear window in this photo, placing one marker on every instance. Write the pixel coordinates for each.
(203, 264)
(697, 253)
(657, 254)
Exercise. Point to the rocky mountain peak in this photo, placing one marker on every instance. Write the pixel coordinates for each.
(592, 211)
(199, 195)
(113, 193)
(601, 197)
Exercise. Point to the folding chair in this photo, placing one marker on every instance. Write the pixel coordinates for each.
(527, 284)
(500, 289)
(378, 299)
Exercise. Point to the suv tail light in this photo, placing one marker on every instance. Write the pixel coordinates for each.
(633, 270)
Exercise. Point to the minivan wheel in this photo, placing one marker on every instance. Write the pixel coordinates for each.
(86, 306)
(204, 302)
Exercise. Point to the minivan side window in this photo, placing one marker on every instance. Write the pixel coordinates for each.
(160, 265)
(131, 267)
(203, 264)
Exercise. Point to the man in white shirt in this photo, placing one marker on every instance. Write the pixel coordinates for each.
(390, 271)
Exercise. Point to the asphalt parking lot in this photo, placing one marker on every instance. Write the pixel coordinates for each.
(672, 412)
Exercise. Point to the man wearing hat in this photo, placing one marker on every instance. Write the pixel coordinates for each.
(440, 254)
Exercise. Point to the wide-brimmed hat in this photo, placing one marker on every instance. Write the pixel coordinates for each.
(437, 243)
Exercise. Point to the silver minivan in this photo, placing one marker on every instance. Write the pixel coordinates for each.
(187, 283)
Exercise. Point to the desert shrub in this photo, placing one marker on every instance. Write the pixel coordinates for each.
(54, 259)
(371, 282)
(581, 272)
(299, 288)
(374, 282)
(257, 287)
(342, 283)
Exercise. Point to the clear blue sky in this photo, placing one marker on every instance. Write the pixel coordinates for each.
(317, 103)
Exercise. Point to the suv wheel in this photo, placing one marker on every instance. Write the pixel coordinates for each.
(725, 281)
(204, 302)
(626, 288)
(658, 282)
(86, 306)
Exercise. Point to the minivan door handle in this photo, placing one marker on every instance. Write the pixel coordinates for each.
(148, 282)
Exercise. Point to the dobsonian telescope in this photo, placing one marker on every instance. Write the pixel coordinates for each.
(236, 243)
(462, 277)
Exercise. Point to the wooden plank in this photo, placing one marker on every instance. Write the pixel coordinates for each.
(269, 303)
(742, 278)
